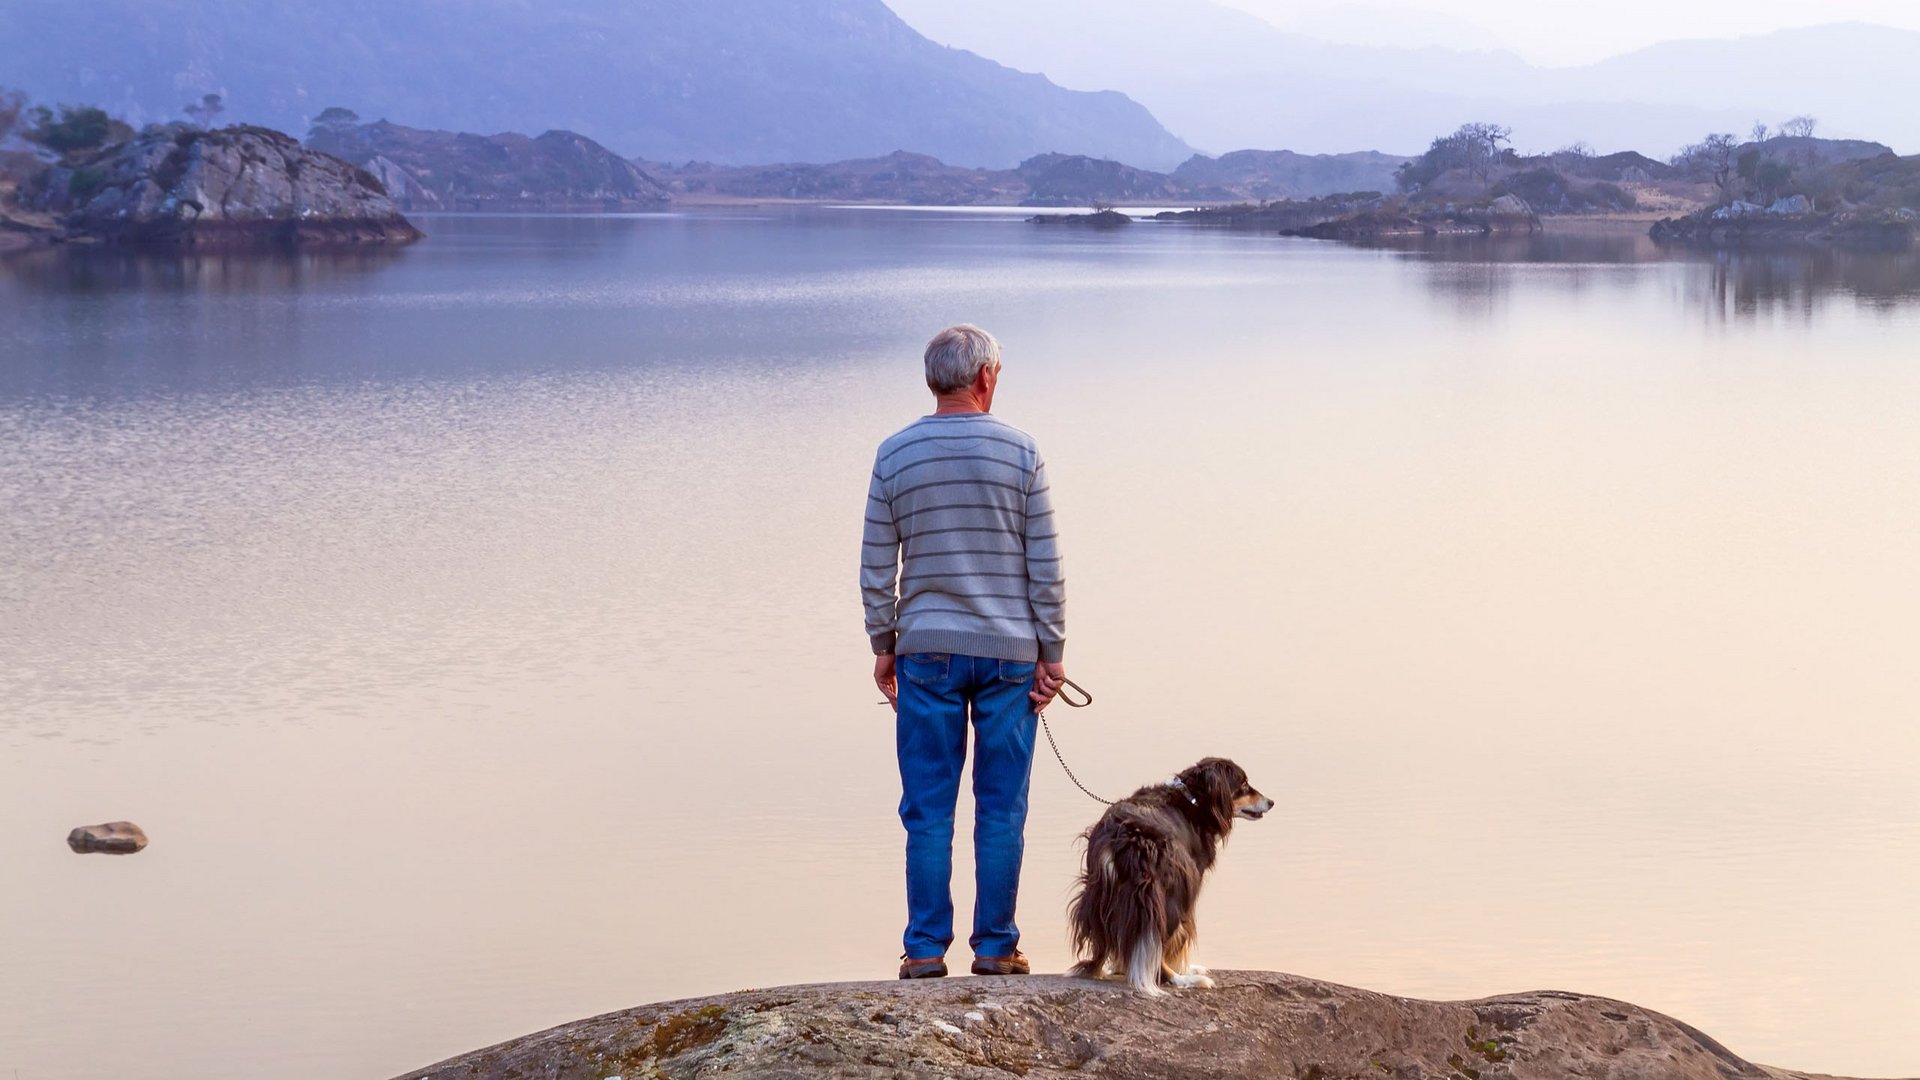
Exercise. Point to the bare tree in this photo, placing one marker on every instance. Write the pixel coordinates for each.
(1799, 127)
(205, 111)
(1760, 132)
(1481, 144)
(1712, 158)
(12, 104)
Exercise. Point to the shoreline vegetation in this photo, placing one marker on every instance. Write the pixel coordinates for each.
(77, 175)
(1253, 1024)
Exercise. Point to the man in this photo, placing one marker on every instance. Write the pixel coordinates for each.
(962, 582)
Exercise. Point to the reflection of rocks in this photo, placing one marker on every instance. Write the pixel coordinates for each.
(115, 837)
(1256, 1024)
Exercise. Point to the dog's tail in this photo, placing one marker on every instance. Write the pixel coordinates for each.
(1119, 913)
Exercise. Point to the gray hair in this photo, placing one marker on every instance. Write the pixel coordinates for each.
(956, 355)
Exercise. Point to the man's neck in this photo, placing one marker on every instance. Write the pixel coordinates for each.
(956, 405)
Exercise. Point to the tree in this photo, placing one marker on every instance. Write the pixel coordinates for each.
(1712, 158)
(1799, 127)
(205, 111)
(77, 127)
(1475, 148)
(333, 120)
(1482, 144)
(1759, 133)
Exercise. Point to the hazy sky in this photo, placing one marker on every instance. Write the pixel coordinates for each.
(1559, 32)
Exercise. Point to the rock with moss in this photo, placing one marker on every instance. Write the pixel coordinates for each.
(1255, 1024)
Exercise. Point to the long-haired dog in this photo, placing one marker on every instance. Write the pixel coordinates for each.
(1146, 859)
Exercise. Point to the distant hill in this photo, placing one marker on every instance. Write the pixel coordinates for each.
(445, 170)
(1283, 174)
(1042, 180)
(1224, 78)
(737, 81)
(900, 177)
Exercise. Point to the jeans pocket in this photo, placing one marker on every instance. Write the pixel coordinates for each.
(1016, 672)
(926, 668)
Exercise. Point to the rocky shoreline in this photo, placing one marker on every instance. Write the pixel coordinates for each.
(1255, 1024)
(1742, 225)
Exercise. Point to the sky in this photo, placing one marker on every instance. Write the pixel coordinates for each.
(1556, 32)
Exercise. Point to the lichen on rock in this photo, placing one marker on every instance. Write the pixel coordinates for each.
(1255, 1024)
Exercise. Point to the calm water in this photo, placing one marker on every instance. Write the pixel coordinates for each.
(474, 628)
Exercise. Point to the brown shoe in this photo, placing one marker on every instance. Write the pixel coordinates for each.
(925, 967)
(1002, 965)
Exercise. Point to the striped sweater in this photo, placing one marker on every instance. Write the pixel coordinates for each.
(960, 554)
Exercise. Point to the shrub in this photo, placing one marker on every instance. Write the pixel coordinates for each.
(78, 127)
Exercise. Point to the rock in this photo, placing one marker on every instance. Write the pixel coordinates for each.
(1104, 219)
(400, 184)
(1509, 206)
(241, 186)
(1791, 204)
(1738, 208)
(1255, 1024)
(115, 837)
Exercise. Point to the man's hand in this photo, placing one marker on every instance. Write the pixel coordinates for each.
(883, 677)
(1048, 678)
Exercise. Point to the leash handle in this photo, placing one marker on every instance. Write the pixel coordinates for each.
(1066, 699)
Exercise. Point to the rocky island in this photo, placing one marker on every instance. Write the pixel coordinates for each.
(1255, 1024)
(180, 187)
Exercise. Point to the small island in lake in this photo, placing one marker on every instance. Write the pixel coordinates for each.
(186, 186)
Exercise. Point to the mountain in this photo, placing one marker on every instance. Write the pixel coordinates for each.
(424, 170)
(1224, 78)
(725, 80)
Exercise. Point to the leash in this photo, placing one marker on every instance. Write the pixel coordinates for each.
(1086, 700)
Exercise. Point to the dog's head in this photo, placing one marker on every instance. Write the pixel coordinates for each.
(1222, 787)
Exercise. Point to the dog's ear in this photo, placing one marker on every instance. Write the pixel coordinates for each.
(1213, 782)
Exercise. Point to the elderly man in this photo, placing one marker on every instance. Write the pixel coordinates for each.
(962, 580)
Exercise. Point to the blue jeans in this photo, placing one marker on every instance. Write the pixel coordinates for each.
(936, 690)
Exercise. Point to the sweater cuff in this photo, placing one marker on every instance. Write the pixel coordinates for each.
(882, 643)
(1053, 651)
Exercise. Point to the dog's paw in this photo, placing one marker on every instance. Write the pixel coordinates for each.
(1192, 982)
(1196, 969)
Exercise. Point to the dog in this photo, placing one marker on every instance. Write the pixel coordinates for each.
(1146, 858)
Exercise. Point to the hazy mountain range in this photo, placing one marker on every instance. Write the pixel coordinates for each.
(760, 81)
(728, 80)
(1223, 79)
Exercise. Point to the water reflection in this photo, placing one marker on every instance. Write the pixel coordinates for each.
(1473, 275)
(1586, 618)
(82, 270)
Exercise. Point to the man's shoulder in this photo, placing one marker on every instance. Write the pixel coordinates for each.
(968, 425)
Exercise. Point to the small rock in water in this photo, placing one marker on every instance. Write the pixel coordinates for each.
(115, 837)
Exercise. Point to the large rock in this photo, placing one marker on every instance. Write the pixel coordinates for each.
(1255, 1024)
(241, 186)
(115, 837)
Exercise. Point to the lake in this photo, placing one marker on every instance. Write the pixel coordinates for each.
(474, 627)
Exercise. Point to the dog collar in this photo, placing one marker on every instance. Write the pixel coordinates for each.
(1175, 783)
